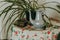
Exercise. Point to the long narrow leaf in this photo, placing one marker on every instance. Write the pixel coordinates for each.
(52, 9)
(9, 8)
(51, 2)
(9, 18)
(13, 13)
(11, 24)
(16, 2)
(4, 10)
(3, 5)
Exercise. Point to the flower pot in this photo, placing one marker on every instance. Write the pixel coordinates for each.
(38, 21)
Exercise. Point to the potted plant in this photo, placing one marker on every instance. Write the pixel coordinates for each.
(21, 8)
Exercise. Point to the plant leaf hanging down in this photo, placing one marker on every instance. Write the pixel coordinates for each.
(58, 6)
(22, 8)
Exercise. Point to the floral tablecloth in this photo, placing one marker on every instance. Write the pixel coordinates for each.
(22, 34)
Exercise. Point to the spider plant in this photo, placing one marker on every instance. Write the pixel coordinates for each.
(20, 8)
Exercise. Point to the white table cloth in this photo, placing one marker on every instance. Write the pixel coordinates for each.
(23, 34)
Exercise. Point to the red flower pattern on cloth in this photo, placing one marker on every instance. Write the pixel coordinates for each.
(35, 34)
(27, 36)
(42, 38)
(22, 36)
(55, 36)
(48, 35)
(16, 32)
(48, 32)
(23, 29)
(48, 38)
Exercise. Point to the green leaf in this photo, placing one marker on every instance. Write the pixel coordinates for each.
(58, 6)
(5, 10)
(51, 8)
(12, 23)
(3, 4)
(7, 21)
(11, 15)
(50, 2)
(9, 8)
